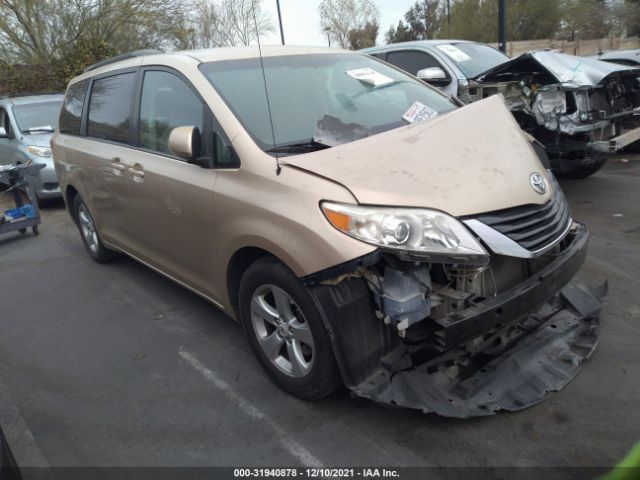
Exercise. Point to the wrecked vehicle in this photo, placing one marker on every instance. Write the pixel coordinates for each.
(329, 203)
(580, 109)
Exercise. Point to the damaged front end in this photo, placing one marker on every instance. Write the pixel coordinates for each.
(579, 108)
(465, 339)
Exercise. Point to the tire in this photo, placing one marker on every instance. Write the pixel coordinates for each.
(289, 328)
(584, 171)
(89, 234)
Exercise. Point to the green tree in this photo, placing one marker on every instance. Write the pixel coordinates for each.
(401, 33)
(363, 37)
(475, 20)
(425, 18)
(421, 22)
(584, 19)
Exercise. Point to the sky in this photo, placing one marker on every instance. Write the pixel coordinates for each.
(302, 24)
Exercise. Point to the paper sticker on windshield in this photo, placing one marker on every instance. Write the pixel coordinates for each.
(418, 112)
(454, 52)
(370, 76)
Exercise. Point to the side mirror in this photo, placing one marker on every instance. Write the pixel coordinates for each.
(432, 73)
(185, 142)
(3, 133)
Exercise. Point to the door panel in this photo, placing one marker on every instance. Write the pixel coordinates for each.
(169, 201)
(109, 129)
(169, 216)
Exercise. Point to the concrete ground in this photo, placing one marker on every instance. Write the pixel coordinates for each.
(114, 365)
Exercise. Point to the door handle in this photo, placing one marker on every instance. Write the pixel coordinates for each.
(117, 165)
(137, 172)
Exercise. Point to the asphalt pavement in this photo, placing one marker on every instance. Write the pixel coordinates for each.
(114, 365)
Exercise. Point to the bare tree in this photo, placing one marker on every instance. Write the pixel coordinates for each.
(230, 22)
(36, 30)
(339, 17)
(42, 31)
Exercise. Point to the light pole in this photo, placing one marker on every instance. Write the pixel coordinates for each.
(280, 22)
(328, 29)
(502, 26)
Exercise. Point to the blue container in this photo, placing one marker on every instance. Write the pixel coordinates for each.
(14, 213)
(23, 211)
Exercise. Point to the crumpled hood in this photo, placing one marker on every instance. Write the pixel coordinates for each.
(472, 160)
(569, 70)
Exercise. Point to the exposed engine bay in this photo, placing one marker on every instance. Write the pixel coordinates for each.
(463, 339)
(575, 106)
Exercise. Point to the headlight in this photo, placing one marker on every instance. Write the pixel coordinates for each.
(549, 102)
(39, 151)
(407, 231)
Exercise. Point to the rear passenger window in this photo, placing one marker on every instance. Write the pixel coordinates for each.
(167, 102)
(71, 112)
(109, 107)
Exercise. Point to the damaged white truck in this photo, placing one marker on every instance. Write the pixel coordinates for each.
(580, 109)
(364, 228)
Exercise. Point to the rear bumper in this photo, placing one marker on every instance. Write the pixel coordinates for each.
(552, 327)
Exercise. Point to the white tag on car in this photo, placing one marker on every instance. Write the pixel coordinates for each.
(418, 112)
(370, 76)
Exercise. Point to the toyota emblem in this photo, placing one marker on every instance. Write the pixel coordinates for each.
(538, 183)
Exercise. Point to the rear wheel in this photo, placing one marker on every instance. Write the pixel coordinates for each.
(285, 330)
(89, 234)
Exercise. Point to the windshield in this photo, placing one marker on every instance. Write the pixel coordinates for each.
(38, 117)
(352, 93)
(473, 58)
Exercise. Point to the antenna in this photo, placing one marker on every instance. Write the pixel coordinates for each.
(266, 90)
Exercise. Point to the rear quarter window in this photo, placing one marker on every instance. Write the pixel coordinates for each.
(71, 113)
(110, 106)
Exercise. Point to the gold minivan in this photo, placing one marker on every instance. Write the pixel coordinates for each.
(364, 228)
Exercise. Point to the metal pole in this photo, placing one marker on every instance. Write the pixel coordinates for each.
(448, 18)
(502, 26)
(280, 22)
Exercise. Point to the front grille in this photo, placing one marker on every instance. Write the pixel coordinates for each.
(532, 226)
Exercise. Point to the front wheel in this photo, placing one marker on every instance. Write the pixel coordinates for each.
(583, 171)
(286, 331)
(89, 234)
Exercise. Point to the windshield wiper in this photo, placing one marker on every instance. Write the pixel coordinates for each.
(299, 147)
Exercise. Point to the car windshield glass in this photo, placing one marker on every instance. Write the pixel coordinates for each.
(37, 117)
(343, 96)
(473, 58)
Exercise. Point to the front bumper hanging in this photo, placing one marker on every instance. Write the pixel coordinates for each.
(556, 324)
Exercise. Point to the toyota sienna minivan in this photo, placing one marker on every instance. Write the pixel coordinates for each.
(364, 228)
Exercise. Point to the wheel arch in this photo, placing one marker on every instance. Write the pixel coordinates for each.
(238, 264)
(70, 194)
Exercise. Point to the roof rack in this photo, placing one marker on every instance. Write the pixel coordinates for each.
(124, 56)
